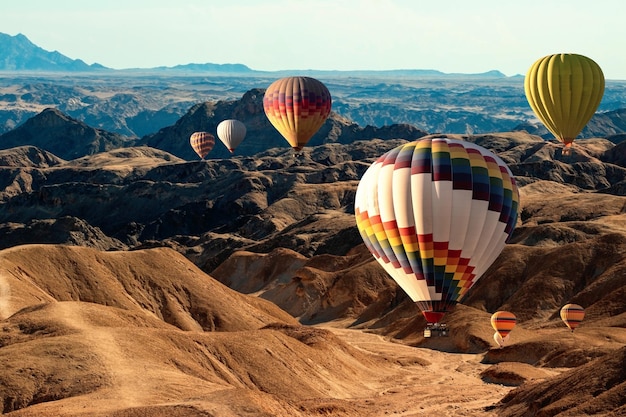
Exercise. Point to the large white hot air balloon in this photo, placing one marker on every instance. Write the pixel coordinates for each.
(436, 213)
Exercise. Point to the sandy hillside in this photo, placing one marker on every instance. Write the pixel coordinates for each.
(146, 333)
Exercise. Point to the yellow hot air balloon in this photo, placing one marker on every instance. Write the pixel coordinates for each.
(564, 91)
(231, 132)
(436, 213)
(202, 143)
(503, 322)
(572, 315)
(297, 107)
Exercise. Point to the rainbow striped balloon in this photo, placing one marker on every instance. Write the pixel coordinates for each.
(436, 213)
(503, 322)
(572, 315)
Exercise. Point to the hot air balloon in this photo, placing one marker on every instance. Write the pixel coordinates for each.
(297, 107)
(202, 143)
(503, 322)
(564, 91)
(572, 315)
(231, 132)
(500, 341)
(436, 213)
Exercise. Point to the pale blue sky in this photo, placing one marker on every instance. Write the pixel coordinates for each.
(447, 35)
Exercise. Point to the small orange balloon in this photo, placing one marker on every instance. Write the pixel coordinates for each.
(572, 315)
(202, 143)
(503, 322)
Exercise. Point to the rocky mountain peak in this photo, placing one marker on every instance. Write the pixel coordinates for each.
(19, 53)
(61, 135)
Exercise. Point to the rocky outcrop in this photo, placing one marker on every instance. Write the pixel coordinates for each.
(62, 136)
(261, 135)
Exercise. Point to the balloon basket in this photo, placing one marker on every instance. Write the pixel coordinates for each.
(436, 330)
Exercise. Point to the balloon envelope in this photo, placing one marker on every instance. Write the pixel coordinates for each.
(503, 322)
(572, 315)
(436, 213)
(564, 91)
(202, 143)
(297, 107)
(231, 132)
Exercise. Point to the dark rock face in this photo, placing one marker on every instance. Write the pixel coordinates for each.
(64, 230)
(261, 135)
(256, 197)
(61, 135)
(68, 138)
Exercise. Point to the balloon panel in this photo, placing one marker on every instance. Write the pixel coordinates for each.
(435, 213)
(297, 107)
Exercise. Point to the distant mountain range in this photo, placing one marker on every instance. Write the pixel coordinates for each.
(18, 53)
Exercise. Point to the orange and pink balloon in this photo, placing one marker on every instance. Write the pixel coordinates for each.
(297, 107)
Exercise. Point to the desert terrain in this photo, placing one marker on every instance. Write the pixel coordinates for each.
(88, 333)
(137, 280)
(125, 292)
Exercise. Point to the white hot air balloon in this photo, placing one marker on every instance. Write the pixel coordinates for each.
(231, 132)
(436, 213)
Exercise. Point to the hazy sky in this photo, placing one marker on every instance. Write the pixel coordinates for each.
(467, 36)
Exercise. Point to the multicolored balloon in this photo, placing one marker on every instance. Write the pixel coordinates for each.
(231, 132)
(572, 315)
(503, 322)
(202, 143)
(564, 91)
(297, 107)
(436, 213)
